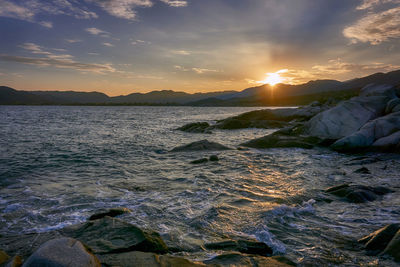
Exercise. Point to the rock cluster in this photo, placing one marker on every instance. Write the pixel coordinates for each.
(358, 193)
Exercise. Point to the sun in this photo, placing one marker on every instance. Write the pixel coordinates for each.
(274, 78)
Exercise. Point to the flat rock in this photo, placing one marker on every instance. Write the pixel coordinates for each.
(200, 146)
(111, 235)
(110, 212)
(62, 252)
(243, 260)
(145, 259)
(196, 127)
(358, 193)
(243, 246)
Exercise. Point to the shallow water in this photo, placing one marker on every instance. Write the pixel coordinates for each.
(58, 165)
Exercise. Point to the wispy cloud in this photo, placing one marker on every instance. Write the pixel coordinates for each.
(72, 41)
(12, 10)
(108, 44)
(181, 52)
(194, 69)
(202, 70)
(123, 8)
(368, 4)
(175, 3)
(99, 32)
(46, 24)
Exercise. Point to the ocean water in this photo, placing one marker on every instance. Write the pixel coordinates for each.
(59, 165)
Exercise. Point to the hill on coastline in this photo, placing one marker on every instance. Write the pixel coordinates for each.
(264, 95)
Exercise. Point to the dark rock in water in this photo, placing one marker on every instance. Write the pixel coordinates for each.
(196, 127)
(235, 123)
(199, 161)
(282, 139)
(362, 170)
(62, 252)
(145, 259)
(243, 260)
(214, 158)
(111, 212)
(3, 257)
(243, 246)
(200, 146)
(358, 193)
(111, 235)
(378, 240)
(393, 248)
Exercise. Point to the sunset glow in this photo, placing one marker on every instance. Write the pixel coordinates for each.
(274, 78)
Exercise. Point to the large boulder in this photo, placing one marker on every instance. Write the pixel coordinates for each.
(145, 259)
(392, 105)
(369, 133)
(200, 146)
(63, 252)
(388, 143)
(379, 90)
(244, 246)
(358, 193)
(111, 235)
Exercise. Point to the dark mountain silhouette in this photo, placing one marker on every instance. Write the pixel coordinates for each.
(280, 94)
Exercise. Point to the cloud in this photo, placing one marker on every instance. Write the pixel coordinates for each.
(175, 3)
(181, 52)
(96, 31)
(123, 8)
(201, 70)
(368, 4)
(108, 44)
(12, 10)
(46, 24)
(72, 41)
(60, 63)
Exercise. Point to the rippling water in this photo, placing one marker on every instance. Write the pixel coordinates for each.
(58, 165)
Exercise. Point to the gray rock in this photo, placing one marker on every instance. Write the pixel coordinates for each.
(243, 246)
(200, 146)
(110, 212)
(393, 248)
(111, 235)
(358, 193)
(388, 143)
(62, 252)
(196, 127)
(392, 104)
(379, 90)
(363, 170)
(243, 260)
(369, 133)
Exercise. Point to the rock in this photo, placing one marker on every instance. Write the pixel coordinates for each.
(350, 115)
(390, 143)
(392, 104)
(371, 131)
(243, 246)
(111, 212)
(200, 146)
(362, 170)
(16, 261)
(3, 257)
(358, 193)
(377, 241)
(196, 127)
(111, 235)
(238, 259)
(393, 248)
(199, 161)
(281, 139)
(379, 90)
(214, 158)
(62, 252)
(145, 259)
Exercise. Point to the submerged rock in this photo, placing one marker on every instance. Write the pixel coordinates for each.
(214, 158)
(199, 161)
(145, 259)
(196, 127)
(243, 246)
(238, 259)
(62, 252)
(362, 170)
(200, 146)
(358, 193)
(111, 235)
(111, 213)
(377, 241)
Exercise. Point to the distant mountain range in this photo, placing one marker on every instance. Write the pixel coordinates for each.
(278, 95)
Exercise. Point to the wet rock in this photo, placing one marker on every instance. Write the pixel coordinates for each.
(377, 241)
(16, 261)
(199, 161)
(145, 259)
(238, 259)
(393, 248)
(358, 193)
(281, 139)
(214, 158)
(243, 246)
(196, 127)
(111, 235)
(62, 252)
(3, 257)
(390, 143)
(369, 133)
(200, 146)
(111, 213)
(392, 105)
(362, 170)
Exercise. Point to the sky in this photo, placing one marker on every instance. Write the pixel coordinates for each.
(123, 46)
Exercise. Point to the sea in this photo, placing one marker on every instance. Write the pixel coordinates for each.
(60, 164)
